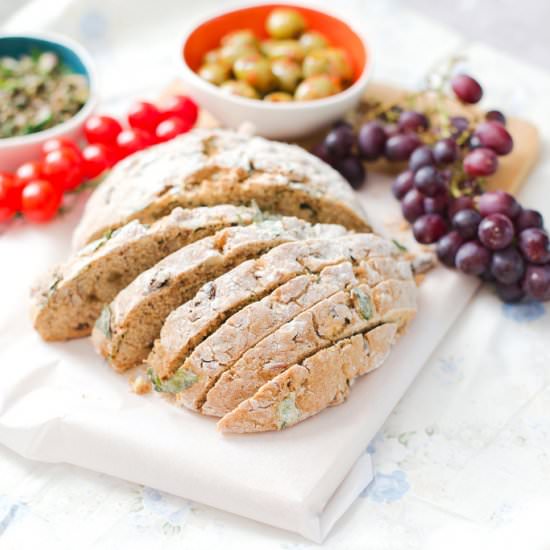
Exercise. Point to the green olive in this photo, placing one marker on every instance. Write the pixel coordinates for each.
(215, 73)
(316, 87)
(278, 97)
(255, 70)
(313, 40)
(236, 87)
(244, 37)
(230, 53)
(287, 74)
(332, 62)
(285, 23)
(283, 48)
(213, 56)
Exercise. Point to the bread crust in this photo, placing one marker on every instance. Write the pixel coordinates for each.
(206, 167)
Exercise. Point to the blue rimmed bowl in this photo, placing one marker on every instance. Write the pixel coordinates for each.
(18, 149)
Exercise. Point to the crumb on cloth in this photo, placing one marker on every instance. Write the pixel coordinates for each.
(140, 385)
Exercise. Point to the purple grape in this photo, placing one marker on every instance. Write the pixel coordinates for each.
(466, 88)
(510, 293)
(402, 184)
(413, 121)
(437, 204)
(428, 180)
(445, 151)
(536, 282)
(487, 276)
(429, 228)
(391, 130)
(528, 218)
(495, 116)
(507, 266)
(340, 123)
(480, 162)
(371, 140)
(321, 152)
(446, 175)
(473, 142)
(498, 202)
(447, 247)
(401, 146)
(339, 142)
(494, 136)
(420, 157)
(460, 124)
(353, 171)
(496, 231)
(466, 222)
(534, 245)
(472, 258)
(412, 205)
(460, 203)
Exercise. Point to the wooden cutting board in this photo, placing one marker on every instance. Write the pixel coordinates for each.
(513, 168)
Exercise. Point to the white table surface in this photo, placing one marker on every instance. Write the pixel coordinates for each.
(462, 462)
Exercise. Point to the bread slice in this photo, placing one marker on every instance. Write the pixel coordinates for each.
(257, 321)
(194, 321)
(322, 380)
(207, 167)
(127, 328)
(67, 301)
(342, 315)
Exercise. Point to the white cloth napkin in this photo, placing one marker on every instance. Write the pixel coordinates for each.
(61, 403)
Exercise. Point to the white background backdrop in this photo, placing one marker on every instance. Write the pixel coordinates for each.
(464, 460)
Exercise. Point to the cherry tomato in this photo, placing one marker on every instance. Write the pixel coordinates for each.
(102, 129)
(96, 159)
(28, 171)
(10, 196)
(170, 128)
(144, 116)
(63, 168)
(182, 107)
(40, 201)
(133, 140)
(58, 143)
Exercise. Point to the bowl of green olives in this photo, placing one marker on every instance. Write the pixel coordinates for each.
(287, 69)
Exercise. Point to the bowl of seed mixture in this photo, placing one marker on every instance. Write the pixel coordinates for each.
(47, 90)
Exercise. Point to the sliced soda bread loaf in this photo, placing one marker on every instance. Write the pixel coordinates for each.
(67, 301)
(305, 389)
(207, 167)
(342, 315)
(216, 301)
(127, 328)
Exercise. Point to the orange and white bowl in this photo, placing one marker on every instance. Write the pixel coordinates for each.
(273, 120)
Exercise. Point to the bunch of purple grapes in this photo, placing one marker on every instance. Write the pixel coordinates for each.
(486, 234)
(494, 238)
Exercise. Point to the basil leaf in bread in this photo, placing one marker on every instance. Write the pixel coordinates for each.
(179, 382)
(363, 303)
(103, 322)
(289, 413)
